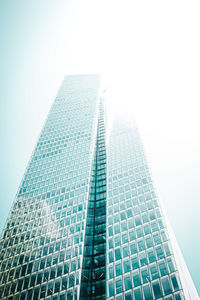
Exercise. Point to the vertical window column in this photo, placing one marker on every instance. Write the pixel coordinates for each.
(93, 284)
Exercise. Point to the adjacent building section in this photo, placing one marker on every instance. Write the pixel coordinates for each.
(141, 263)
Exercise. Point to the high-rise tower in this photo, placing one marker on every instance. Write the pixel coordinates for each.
(86, 222)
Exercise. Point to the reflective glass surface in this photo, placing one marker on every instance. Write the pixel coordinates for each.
(86, 222)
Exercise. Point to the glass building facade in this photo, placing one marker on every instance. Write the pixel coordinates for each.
(86, 222)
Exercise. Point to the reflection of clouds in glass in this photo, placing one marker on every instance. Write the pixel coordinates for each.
(52, 225)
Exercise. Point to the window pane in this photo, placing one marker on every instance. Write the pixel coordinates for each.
(147, 292)
(145, 275)
(118, 283)
(136, 279)
(166, 286)
(127, 283)
(126, 266)
(157, 290)
(118, 254)
(137, 294)
(175, 282)
(111, 289)
(118, 269)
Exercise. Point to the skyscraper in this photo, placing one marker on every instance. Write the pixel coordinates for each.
(86, 222)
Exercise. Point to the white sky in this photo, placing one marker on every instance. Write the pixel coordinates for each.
(148, 51)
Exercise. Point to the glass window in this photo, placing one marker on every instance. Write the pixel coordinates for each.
(145, 218)
(147, 229)
(43, 291)
(145, 275)
(57, 286)
(149, 242)
(135, 263)
(23, 296)
(69, 295)
(26, 282)
(118, 269)
(53, 273)
(136, 279)
(19, 285)
(61, 256)
(164, 237)
(128, 296)
(157, 290)
(170, 265)
(157, 238)
(174, 282)
(122, 216)
(48, 263)
(35, 266)
(139, 232)
(141, 245)
(111, 258)
(159, 252)
(132, 235)
(166, 286)
(133, 248)
(117, 229)
(110, 231)
(50, 288)
(125, 251)
(66, 268)
(138, 221)
(161, 225)
(116, 218)
(46, 275)
(111, 288)
(118, 254)
(147, 292)
(152, 215)
(39, 278)
(151, 256)
(126, 266)
(143, 259)
(167, 250)
(178, 297)
(119, 297)
(129, 213)
(127, 283)
(73, 267)
(71, 280)
(64, 283)
(15, 283)
(124, 238)
(163, 268)
(117, 241)
(55, 258)
(110, 241)
(111, 272)
(123, 226)
(154, 272)
(118, 284)
(137, 294)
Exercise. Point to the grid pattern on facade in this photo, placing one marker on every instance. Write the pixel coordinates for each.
(42, 245)
(140, 261)
(86, 222)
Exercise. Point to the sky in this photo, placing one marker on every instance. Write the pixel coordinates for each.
(148, 51)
